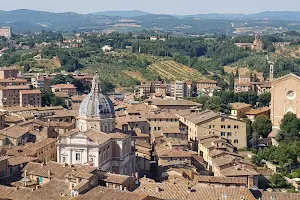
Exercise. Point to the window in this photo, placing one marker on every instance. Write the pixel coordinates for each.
(158, 128)
(222, 126)
(209, 126)
(223, 133)
(236, 141)
(228, 126)
(213, 126)
(229, 134)
(222, 119)
(155, 128)
(92, 160)
(77, 156)
(236, 126)
(63, 159)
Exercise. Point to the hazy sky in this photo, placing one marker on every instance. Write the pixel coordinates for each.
(154, 6)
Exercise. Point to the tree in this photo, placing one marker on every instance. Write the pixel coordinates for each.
(49, 99)
(237, 73)
(26, 68)
(249, 131)
(215, 104)
(264, 99)
(278, 181)
(262, 125)
(231, 81)
(289, 128)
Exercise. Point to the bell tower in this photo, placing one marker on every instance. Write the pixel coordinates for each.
(271, 71)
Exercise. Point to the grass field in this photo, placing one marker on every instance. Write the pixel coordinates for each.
(174, 71)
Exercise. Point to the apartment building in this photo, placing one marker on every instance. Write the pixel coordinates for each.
(242, 87)
(207, 122)
(31, 97)
(149, 88)
(204, 84)
(8, 72)
(67, 89)
(12, 81)
(5, 32)
(10, 95)
(238, 110)
(254, 113)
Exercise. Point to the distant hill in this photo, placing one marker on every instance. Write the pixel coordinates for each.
(35, 21)
(129, 13)
(274, 15)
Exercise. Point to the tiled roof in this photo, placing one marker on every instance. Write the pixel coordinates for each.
(97, 136)
(258, 111)
(14, 131)
(13, 80)
(57, 170)
(64, 86)
(175, 153)
(199, 117)
(238, 170)
(30, 91)
(103, 193)
(174, 102)
(238, 105)
(17, 160)
(182, 191)
(207, 81)
(8, 68)
(221, 180)
(54, 189)
(162, 115)
(116, 178)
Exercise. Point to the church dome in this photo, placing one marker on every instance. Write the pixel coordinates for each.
(95, 104)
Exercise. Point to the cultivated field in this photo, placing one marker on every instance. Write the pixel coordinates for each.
(174, 71)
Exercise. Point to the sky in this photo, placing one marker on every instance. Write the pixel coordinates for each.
(179, 7)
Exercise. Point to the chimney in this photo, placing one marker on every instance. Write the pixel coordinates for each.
(125, 188)
(25, 173)
(49, 174)
(137, 175)
(156, 189)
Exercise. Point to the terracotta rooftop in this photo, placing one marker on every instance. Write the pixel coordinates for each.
(64, 86)
(30, 91)
(57, 170)
(175, 153)
(16, 87)
(221, 180)
(196, 192)
(238, 105)
(8, 68)
(54, 189)
(174, 102)
(258, 111)
(14, 131)
(17, 160)
(207, 81)
(116, 178)
(13, 80)
(198, 117)
(162, 115)
(104, 193)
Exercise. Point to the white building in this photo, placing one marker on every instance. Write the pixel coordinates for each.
(107, 48)
(95, 141)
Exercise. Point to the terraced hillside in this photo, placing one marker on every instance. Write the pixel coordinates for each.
(174, 71)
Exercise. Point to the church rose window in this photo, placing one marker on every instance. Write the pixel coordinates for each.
(290, 95)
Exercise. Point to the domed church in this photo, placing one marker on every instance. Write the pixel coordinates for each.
(96, 110)
(95, 141)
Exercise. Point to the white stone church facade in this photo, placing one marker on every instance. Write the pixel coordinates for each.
(95, 141)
